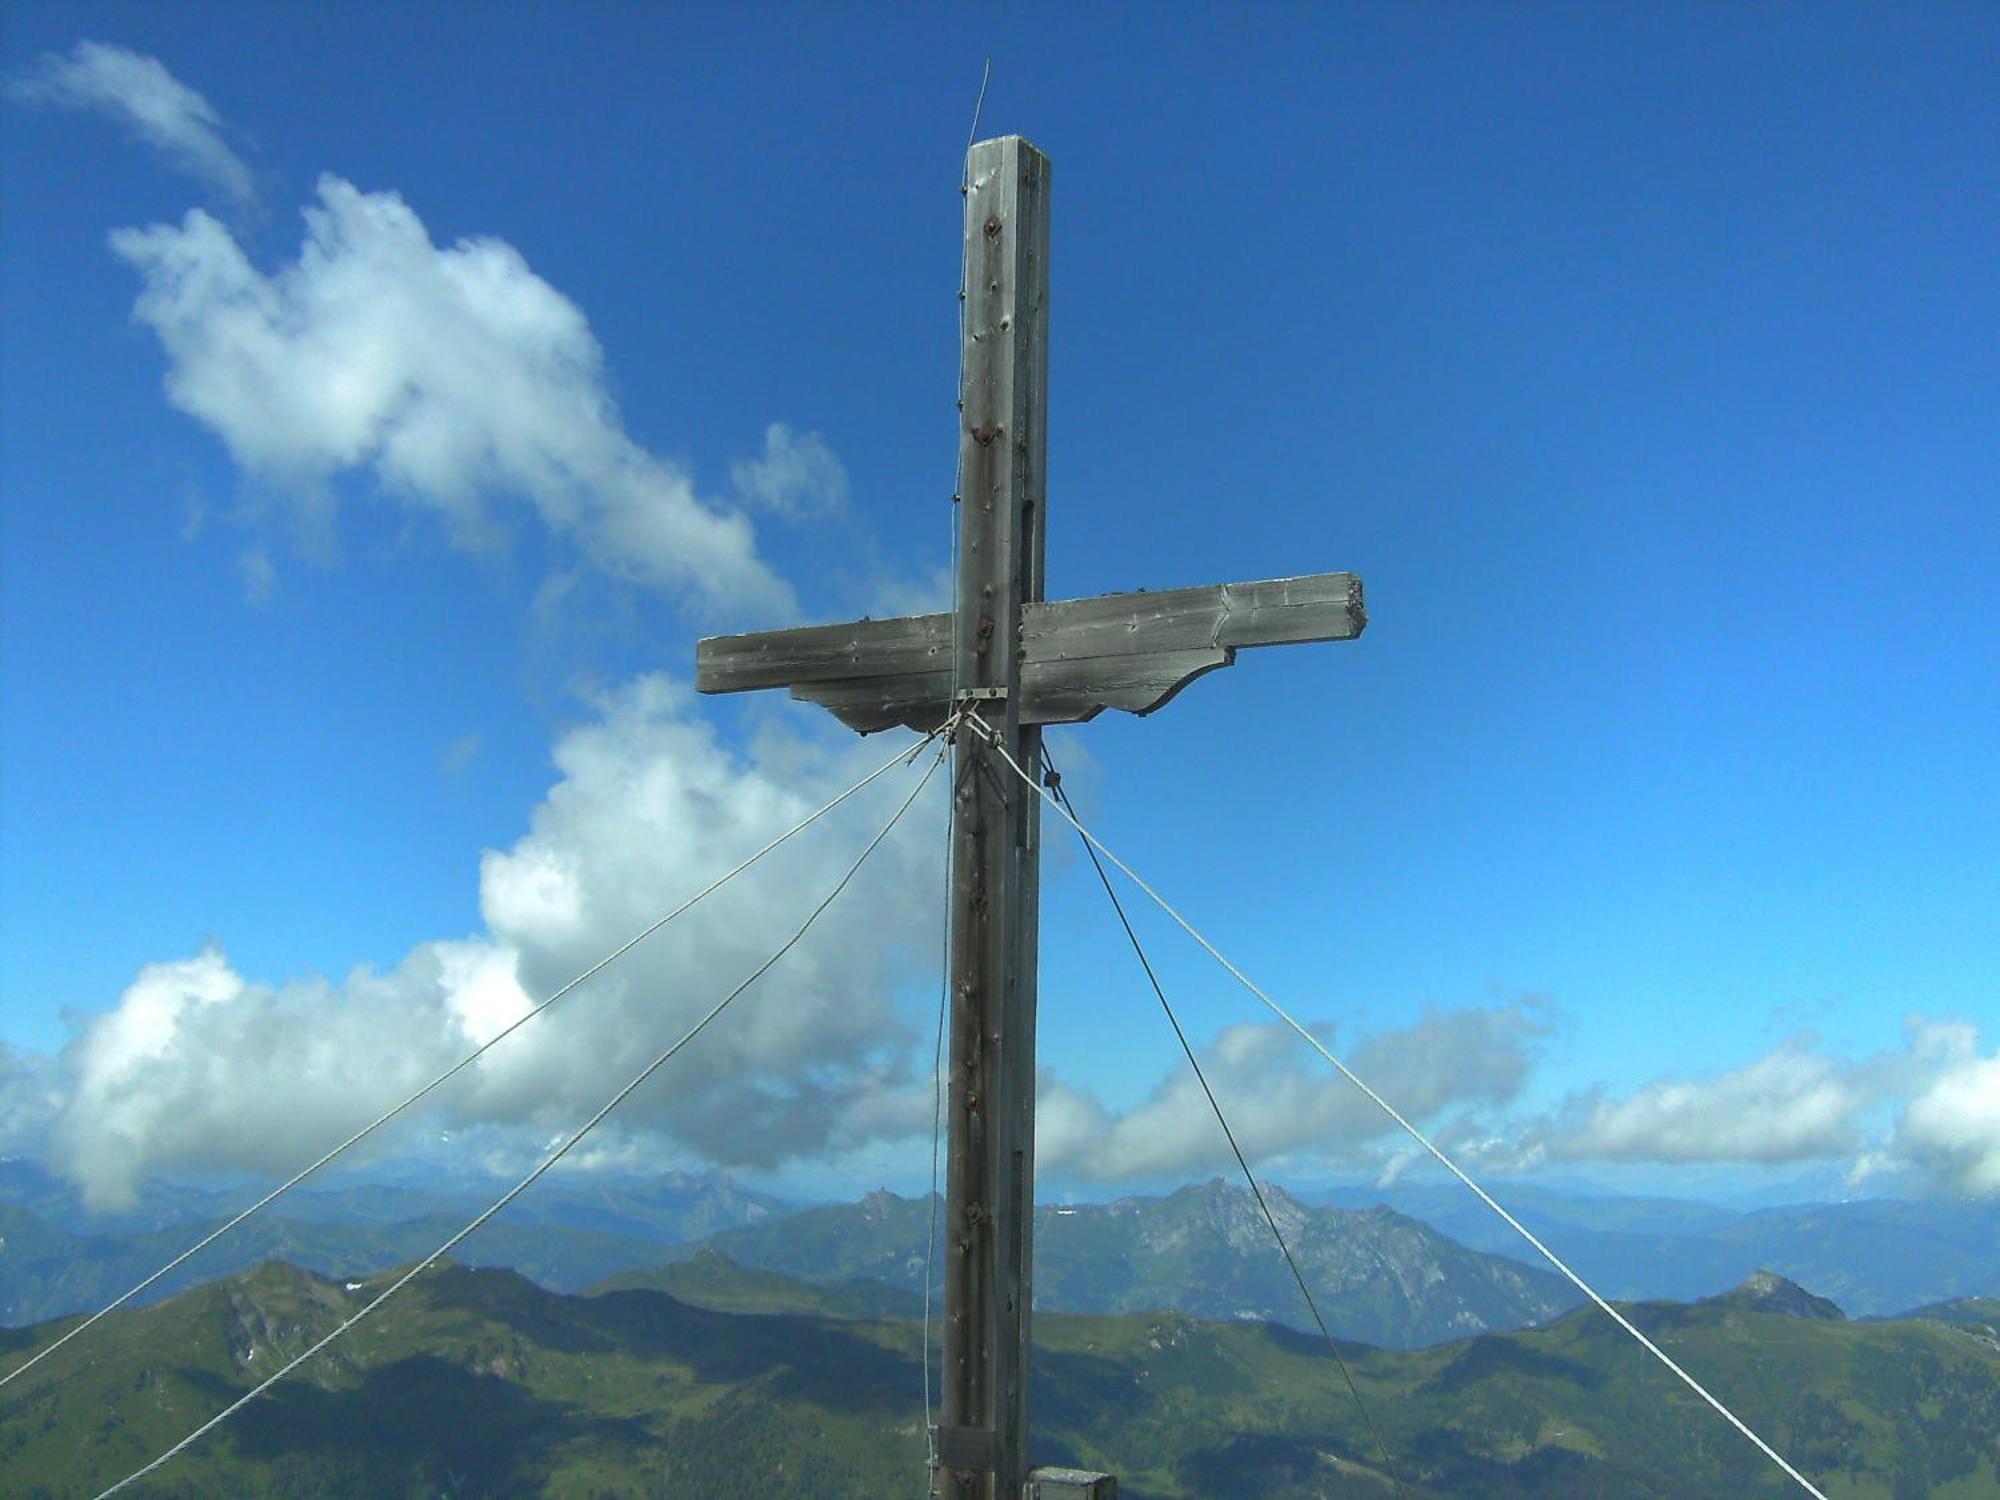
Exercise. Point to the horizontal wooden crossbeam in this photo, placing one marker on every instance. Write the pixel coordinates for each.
(1079, 656)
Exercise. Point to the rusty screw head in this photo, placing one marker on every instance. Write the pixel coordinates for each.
(992, 228)
(983, 436)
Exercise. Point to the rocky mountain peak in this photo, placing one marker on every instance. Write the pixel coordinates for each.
(1766, 1291)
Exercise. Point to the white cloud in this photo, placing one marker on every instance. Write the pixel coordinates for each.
(1951, 1129)
(142, 95)
(1925, 1115)
(1791, 1105)
(1282, 1098)
(454, 376)
(1928, 1111)
(797, 475)
(197, 1067)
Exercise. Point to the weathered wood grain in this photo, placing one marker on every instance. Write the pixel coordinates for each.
(1271, 612)
(823, 653)
(990, 1101)
(1126, 633)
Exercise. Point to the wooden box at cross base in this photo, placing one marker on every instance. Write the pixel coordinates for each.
(1069, 1484)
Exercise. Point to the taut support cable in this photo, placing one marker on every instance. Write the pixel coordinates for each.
(1409, 1129)
(1052, 778)
(463, 1063)
(554, 1156)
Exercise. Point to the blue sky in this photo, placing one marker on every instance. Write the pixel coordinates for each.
(1643, 362)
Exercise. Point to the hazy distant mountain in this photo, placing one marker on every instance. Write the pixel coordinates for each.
(1377, 1276)
(1450, 1207)
(566, 1238)
(480, 1383)
(1382, 1278)
(46, 1273)
(668, 1207)
(1874, 1257)
(56, 1202)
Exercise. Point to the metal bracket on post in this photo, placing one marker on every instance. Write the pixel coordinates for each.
(968, 1449)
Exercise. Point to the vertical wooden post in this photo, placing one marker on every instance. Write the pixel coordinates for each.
(990, 1194)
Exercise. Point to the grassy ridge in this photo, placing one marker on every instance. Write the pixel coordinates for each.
(481, 1383)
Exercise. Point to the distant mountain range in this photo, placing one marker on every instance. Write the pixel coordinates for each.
(1402, 1266)
(45, 1272)
(1377, 1277)
(1874, 1256)
(481, 1383)
(662, 1208)
(570, 1237)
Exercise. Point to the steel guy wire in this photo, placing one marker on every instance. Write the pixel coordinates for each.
(937, 1112)
(465, 1062)
(937, 1129)
(1052, 778)
(937, 1108)
(1408, 1129)
(559, 1153)
(985, 77)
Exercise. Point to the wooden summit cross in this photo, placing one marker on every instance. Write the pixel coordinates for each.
(1019, 662)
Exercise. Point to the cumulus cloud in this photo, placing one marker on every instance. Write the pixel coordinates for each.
(1791, 1105)
(1925, 1114)
(1951, 1129)
(1929, 1109)
(199, 1067)
(456, 378)
(1281, 1098)
(139, 93)
(796, 475)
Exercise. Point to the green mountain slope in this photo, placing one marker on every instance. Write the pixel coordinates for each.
(480, 1383)
(714, 1281)
(1981, 1313)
